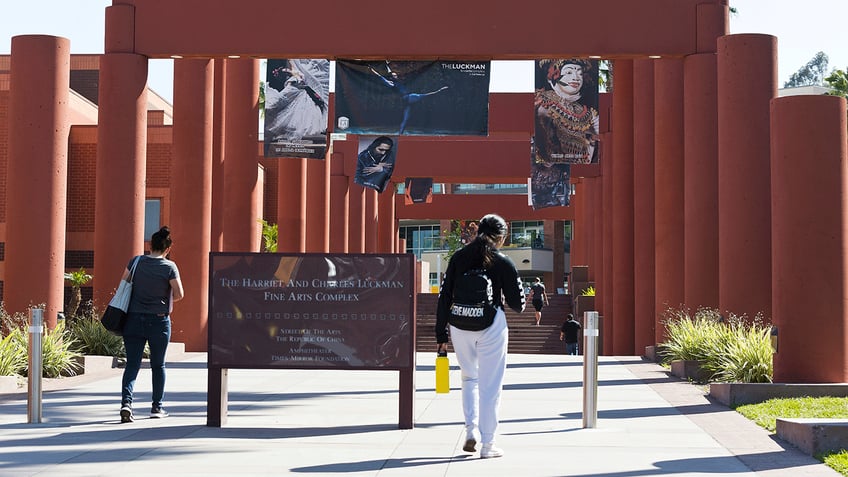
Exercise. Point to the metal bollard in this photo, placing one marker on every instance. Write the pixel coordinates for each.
(36, 332)
(590, 369)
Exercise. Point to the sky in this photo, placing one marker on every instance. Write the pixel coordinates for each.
(803, 28)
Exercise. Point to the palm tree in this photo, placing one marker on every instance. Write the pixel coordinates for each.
(77, 279)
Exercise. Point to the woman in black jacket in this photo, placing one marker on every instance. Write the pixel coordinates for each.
(480, 349)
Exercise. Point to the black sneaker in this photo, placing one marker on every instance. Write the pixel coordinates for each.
(158, 413)
(126, 413)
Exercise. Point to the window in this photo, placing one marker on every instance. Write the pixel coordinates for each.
(421, 238)
(152, 214)
(527, 234)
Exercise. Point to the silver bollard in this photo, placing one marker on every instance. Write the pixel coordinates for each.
(590, 369)
(36, 332)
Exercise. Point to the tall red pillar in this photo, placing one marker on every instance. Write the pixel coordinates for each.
(291, 205)
(242, 209)
(809, 232)
(644, 268)
(191, 196)
(338, 209)
(218, 128)
(604, 288)
(622, 208)
(744, 189)
(700, 180)
(668, 187)
(370, 223)
(357, 217)
(580, 233)
(121, 169)
(315, 203)
(37, 180)
(387, 235)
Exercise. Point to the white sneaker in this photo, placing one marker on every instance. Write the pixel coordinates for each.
(470, 444)
(489, 451)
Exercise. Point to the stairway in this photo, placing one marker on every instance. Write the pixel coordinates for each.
(524, 335)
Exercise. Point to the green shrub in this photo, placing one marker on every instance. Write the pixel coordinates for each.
(732, 349)
(57, 358)
(13, 358)
(91, 338)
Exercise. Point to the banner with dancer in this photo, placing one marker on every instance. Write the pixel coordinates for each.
(297, 94)
(428, 98)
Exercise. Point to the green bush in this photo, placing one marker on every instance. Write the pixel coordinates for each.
(13, 358)
(732, 349)
(91, 338)
(57, 356)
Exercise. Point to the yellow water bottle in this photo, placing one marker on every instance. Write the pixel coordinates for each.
(442, 373)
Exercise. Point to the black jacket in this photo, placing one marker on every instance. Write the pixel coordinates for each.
(506, 284)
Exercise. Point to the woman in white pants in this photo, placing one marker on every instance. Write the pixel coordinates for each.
(480, 344)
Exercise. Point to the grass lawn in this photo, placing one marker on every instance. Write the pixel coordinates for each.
(766, 413)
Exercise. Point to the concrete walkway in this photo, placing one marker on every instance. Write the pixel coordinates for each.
(321, 422)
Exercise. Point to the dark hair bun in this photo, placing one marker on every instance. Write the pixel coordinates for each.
(492, 225)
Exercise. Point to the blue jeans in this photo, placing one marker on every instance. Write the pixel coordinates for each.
(571, 348)
(154, 330)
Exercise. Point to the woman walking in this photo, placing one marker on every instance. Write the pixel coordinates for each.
(479, 333)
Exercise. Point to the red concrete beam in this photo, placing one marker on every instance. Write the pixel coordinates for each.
(474, 206)
(366, 28)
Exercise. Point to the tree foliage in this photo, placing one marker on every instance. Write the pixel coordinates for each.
(838, 81)
(811, 74)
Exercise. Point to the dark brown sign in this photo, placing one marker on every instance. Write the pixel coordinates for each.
(311, 310)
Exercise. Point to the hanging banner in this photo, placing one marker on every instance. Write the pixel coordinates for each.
(549, 183)
(375, 162)
(429, 98)
(297, 95)
(418, 190)
(566, 111)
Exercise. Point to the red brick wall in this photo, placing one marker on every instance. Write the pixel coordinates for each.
(82, 161)
(4, 148)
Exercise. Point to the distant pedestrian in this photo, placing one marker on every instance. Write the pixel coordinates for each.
(539, 298)
(570, 333)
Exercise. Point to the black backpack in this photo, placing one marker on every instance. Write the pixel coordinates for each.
(473, 306)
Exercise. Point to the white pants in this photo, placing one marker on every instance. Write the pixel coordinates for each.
(482, 360)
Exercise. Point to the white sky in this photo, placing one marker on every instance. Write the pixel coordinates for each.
(802, 28)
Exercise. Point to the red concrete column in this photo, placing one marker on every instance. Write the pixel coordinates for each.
(622, 208)
(218, 148)
(291, 205)
(644, 305)
(357, 217)
(387, 230)
(242, 210)
(37, 180)
(596, 266)
(580, 233)
(668, 187)
(316, 205)
(700, 180)
(338, 209)
(604, 286)
(809, 230)
(121, 169)
(371, 220)
(747, 82)
(191, 196)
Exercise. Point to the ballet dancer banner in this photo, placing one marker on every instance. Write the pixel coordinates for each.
(297, 94)
(425, 98)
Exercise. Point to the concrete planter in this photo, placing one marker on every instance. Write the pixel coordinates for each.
(95, 364)
(8, 384)
(690, 369)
